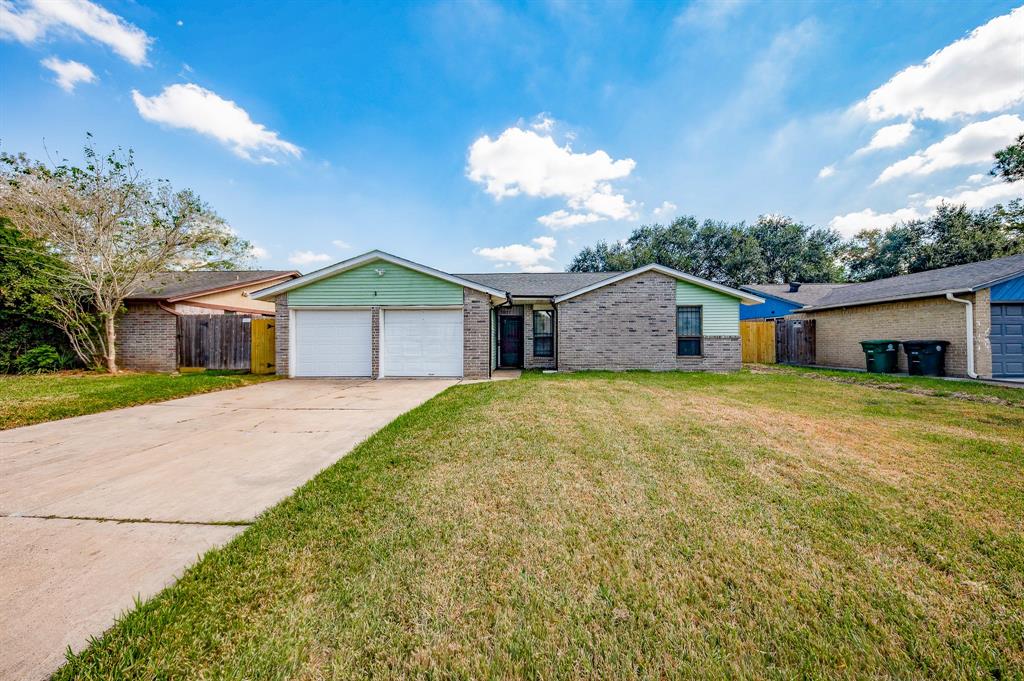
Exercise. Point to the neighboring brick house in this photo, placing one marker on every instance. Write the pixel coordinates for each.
(147, 329)
(377, 315)
(982, 301)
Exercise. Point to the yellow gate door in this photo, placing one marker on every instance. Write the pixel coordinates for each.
(758, 342)
(262, 357)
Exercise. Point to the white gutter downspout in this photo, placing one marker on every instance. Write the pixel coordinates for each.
(970, 332)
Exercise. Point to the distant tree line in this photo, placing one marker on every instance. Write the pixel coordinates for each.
(778, 249)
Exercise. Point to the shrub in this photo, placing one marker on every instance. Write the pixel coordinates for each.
(38, 360)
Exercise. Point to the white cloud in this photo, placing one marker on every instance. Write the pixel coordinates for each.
(851, 223)
(69, 73)
(978, 74)
(543, 123)
(827, 171)
(666, 209)
(307, 258)
(526, 162)
(342, 245)
(34, 20)
(973, 143)
(526, 258)
(259, 253)
(191, 107)
(977, 178)
(888, 137)
(709, 13)
(982, 197)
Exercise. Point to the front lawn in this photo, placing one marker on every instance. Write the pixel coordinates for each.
(47, 397)
(623, 526)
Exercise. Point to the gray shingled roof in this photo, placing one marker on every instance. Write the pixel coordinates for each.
(807, 295)
(165, 285)
(538, 285)
(958, 279)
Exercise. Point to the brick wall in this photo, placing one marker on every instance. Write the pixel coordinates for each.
(147, 339)
(281, 334)
(631, 324)
(476, 340)
(375, 341)
(838, 332)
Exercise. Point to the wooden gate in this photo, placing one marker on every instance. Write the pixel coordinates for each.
(794, 341)
(214, 341)
(758, 342)
(263, 356)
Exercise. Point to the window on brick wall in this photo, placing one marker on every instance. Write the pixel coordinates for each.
(543, 333)
(689, 330)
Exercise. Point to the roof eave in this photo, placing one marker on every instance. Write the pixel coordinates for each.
(221, 289)
(887, 299)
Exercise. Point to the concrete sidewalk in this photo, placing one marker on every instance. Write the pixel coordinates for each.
(99, 509)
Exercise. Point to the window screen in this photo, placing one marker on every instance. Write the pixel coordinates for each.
(688, 330)
(543, 333)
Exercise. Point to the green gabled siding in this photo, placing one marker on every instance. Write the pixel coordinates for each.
(363, 286)
(721, 312)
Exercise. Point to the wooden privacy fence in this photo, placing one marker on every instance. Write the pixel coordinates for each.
(794, 341)
(226, 341)
(758, 342)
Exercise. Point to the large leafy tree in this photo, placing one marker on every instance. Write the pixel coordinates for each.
(107, 228)
(774, 249)
(1010, 161)
(952, 235)
(26, 317)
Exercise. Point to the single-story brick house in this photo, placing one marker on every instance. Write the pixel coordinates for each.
(782, 299)
(978, 308)
(378, 315)
(147, 329)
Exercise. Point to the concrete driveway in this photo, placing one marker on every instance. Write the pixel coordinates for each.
(99, 509)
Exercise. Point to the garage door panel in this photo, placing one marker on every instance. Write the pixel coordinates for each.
(1007, 340)
(422, 343)
(332, 343)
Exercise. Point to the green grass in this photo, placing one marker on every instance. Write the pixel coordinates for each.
(939, 387)
(47, 397)
(623, 526)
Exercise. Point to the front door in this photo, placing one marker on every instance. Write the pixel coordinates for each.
(510, 339)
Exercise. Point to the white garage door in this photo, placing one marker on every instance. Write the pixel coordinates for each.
(332, 343)
(422, 343)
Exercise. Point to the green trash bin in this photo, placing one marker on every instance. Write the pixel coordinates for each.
(881, 355)
(926, 357)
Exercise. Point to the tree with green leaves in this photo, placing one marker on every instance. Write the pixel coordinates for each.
(1010, 161)
(774, 249)
(107, 228)
(952, 235)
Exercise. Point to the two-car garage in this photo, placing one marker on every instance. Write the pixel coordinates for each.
(412, 342)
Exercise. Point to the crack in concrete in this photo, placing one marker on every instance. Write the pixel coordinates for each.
(149, 521)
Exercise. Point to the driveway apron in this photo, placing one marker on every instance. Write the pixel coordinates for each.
(98, 510)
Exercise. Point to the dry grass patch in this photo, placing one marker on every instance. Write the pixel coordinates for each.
(623, 526)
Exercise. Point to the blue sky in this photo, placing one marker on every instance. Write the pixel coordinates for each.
(477, 136)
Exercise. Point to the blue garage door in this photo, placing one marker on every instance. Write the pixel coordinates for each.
(1008, 340)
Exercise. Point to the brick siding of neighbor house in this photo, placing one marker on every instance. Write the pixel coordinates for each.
(147, 339)
(476, 314)
(281, 333)
(838, 332)
(631, 324)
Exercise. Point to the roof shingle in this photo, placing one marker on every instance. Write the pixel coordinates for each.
(165, 285)
(807, 295)
(960, 278)
(537, 284)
